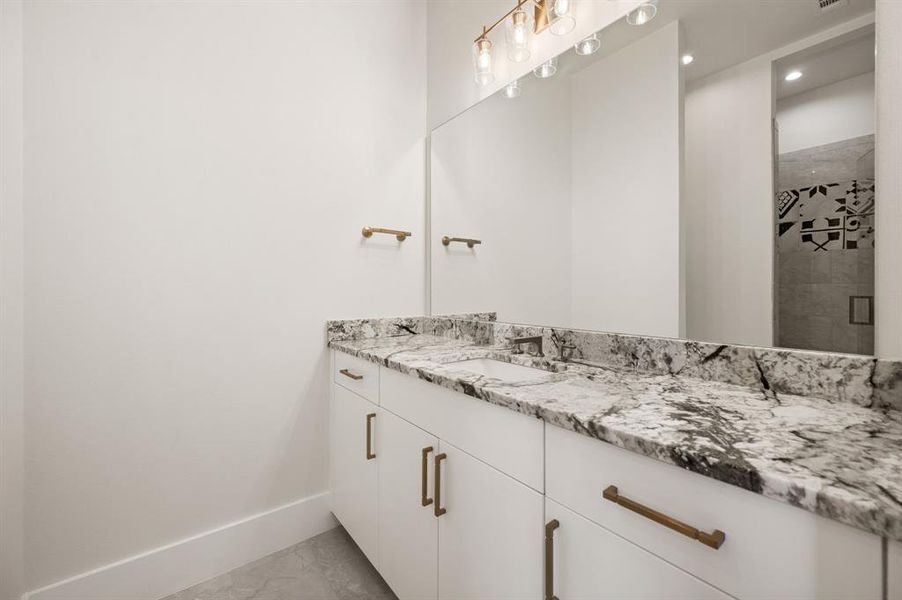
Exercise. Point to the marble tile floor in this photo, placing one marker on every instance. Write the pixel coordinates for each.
(327, 567)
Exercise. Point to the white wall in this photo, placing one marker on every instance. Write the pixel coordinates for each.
(501, 173)
(888, 282)
(626, 129)
(11, 316)
(728, 220)
(196, 178)
(828, 114)
(454, 25)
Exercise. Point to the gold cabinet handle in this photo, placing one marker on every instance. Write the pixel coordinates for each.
(424, 476)
(715, 539)
(369, 436)
(470, 242)
(353, 376)
(400, 235)
(439, 511)
(549, 558)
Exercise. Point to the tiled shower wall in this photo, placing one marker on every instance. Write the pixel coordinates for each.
(825, 246)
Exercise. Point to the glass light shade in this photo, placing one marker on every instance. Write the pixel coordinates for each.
(517, 36)
(562, 21)
(643, 13)
(513, 89)
(587, 46)
(482, 61)
(546, 69)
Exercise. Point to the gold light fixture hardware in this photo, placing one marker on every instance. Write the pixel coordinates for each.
(401, 235)
(424, 476)
(446, 241)
(549, 558)
(370, 455)
(353, 376)
(715, 539)
(540, 22)
(437, 492)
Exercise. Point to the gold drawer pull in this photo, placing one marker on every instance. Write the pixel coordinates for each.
(470, 242)
(549, 558)
(368, 232)
(353, 376)
(424, 499)
(714, 539)
(369, 436)
(439, 511)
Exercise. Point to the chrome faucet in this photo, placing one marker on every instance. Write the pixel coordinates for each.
(537, 340)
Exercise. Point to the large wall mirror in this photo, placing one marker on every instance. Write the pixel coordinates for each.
(708, 175)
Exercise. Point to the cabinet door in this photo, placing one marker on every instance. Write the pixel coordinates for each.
(355, 425)
(591, 562)
(491, 533)
(408, 529)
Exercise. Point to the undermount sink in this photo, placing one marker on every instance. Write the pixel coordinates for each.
(500, 370)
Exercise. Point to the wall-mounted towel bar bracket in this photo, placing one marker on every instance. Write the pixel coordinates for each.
(401, 235)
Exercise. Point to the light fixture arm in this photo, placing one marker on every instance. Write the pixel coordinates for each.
(541, 17)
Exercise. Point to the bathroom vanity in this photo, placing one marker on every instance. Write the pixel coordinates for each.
(462, 471)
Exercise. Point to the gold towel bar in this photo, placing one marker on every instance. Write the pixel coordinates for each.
(714, 539)
(469, 242)
(401, 235)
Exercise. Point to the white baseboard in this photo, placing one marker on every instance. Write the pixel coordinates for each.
(172, 568)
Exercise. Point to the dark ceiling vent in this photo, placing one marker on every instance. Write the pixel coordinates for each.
(826, 5)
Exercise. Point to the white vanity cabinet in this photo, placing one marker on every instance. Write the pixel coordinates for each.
(408, 529)
(490, 535)
(588, 561)
(454, 498)
(355, 477)
(770, 549)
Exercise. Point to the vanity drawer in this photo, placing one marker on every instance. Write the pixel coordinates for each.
(511, 442)
(771, 549)
(357, 375)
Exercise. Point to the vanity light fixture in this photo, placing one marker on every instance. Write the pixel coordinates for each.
(513, 89)
(482, 60)
(587, 46)
(546, 69)
(555, 15)
(643, 13)
(687, 59)
(562, 21)
(517, 35)
(793, 75)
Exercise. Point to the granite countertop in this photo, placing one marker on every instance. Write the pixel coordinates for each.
(838, 460)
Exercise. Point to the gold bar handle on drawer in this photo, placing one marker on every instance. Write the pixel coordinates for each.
(353, 376)
(438, 510)
(369, 436)
(424, 477)
(714, 539)
(549, 558)
(470, 242)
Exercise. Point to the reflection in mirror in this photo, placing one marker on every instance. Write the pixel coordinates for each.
(708, 175)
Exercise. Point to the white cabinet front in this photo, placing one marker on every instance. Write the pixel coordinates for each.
(355, 476)
(408, 528)
(590, 562)
(490, 535)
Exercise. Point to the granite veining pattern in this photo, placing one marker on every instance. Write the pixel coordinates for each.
(831, 456)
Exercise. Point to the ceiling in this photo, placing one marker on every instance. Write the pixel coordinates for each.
(838, 59)
(723, 33)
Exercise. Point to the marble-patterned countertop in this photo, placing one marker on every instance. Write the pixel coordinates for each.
(837, 460)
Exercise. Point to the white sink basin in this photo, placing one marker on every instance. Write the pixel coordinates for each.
(499, 369)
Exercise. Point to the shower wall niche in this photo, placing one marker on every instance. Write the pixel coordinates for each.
(825, 247)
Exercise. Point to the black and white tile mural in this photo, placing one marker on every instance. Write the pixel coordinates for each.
(827, 216)
(825, 245)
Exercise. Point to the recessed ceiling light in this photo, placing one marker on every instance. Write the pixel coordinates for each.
(793, 75)
(687, 59)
